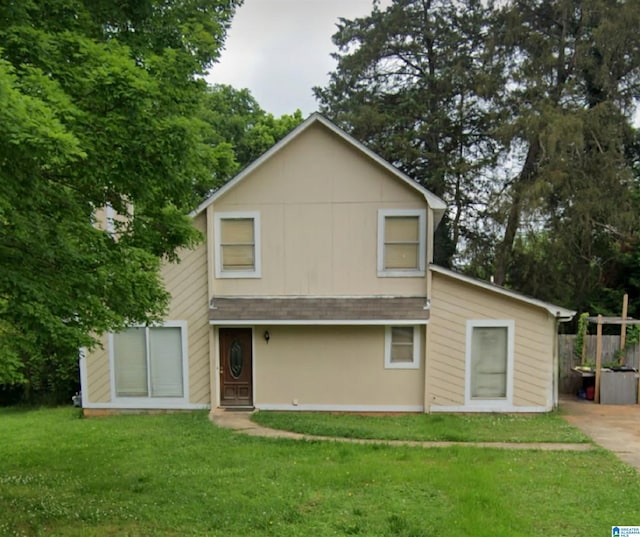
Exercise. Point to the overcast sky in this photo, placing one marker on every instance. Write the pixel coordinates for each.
(280, 49)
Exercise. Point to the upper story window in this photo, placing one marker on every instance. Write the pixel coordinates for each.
(401, 242)
(237, 238)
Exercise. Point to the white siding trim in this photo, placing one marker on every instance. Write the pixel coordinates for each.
(111, 220)
(415, 363)
(478, 408)
(216, 366)
(313, 322)
(422, 238)
(257, 270)
(84, 379)
(340, 408)
(151, 402)
(498, 405)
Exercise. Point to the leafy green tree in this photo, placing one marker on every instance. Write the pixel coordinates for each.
(575, 69)
(519, 114)
(240, 122)
(416, 82)
(99, 105)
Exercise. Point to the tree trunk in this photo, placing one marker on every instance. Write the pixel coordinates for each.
(525, 178)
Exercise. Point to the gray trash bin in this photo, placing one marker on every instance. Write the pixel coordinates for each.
(618, 387)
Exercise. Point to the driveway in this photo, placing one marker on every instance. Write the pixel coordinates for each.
(614, 427)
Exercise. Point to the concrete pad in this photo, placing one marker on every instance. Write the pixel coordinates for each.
(613, 427)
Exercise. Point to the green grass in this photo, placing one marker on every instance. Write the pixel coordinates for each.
(179, 475)
(444, 427)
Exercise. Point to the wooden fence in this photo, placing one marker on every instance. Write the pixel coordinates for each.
(569, 381)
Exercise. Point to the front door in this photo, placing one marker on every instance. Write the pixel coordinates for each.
(236, 377)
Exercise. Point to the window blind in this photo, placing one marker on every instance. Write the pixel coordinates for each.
(489, 362)
(131, 363)
(237, 243)
(401, 242)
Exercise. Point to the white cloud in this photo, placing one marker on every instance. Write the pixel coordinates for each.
(280, 49)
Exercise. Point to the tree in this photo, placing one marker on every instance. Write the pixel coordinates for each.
(240, 122)
(99, 105)
(575, 71)
(416, 82)
(519, 115)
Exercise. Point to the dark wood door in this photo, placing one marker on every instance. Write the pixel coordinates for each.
(236, 367)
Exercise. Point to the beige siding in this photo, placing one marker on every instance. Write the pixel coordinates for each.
(187, 283)
(318, 200)
(98, 374)
(453, 304)
(339, 366)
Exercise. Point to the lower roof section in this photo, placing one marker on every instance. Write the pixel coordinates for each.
(561, 313)
(320, 310)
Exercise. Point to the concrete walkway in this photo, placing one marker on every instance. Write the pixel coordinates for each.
(614, 427)
(241, 421)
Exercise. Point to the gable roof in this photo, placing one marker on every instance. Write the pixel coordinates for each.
(559, 312)
(435, 203)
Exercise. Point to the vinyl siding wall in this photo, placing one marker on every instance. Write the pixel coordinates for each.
(453, 303)
(187, 283)
(98, 387)
(331, 368)
(318, 200)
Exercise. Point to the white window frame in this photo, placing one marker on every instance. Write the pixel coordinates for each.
(415, 363)
(257, 269)
(149, 401)
(422, 246)
(490, 404)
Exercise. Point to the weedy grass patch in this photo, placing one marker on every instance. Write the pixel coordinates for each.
(427, 427)
(179, 475)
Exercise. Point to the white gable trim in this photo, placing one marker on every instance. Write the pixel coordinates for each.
(562, 314)
(435, 203)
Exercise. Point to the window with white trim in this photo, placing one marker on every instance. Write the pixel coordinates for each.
(402, 347)
(401, 242)
(149, 362)
(237, 237)
(489, 360)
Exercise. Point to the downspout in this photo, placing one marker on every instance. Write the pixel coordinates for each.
(556, 363)
(556, 357)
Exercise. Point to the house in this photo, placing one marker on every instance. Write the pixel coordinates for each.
(314, 291)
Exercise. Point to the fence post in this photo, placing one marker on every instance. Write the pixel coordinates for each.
(598, 359)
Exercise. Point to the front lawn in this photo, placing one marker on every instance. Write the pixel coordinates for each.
(425, 427)
(179, 475)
